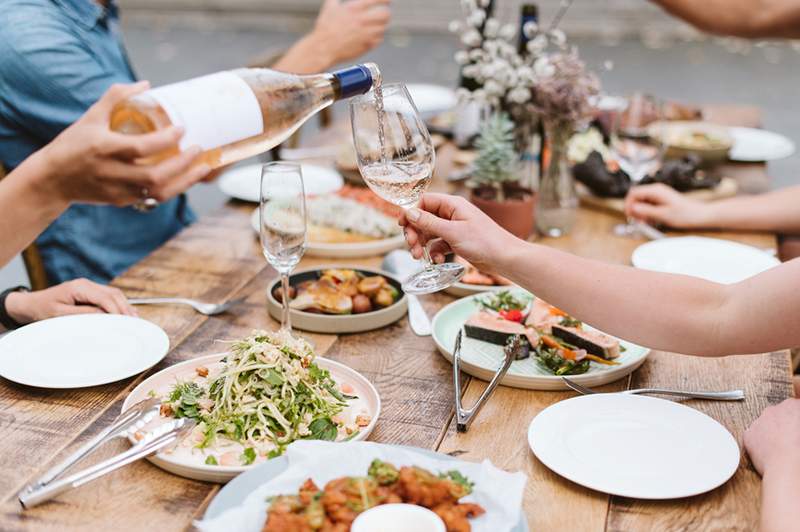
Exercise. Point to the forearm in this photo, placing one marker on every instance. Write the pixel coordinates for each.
(741, 18)
(306, 56)
(28, 204)
(777, 212)
(662, 311)
(780, 493)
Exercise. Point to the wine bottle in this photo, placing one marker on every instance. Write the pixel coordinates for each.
(528, 13)
(239, 113)
(532, 153)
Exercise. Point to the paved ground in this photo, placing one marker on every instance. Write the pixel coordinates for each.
(692, 72)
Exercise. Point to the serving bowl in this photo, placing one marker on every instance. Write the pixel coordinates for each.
(686, 137)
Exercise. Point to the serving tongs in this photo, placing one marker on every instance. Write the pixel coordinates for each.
(128, 422)
(465, 416)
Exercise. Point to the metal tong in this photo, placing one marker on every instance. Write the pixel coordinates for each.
(128, 422)
(465, 416)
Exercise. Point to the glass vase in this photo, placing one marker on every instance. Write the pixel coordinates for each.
(557, 200)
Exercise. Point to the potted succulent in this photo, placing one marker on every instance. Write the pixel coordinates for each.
(495, 181)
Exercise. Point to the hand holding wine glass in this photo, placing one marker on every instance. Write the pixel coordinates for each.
(396, 159)
(283, 223)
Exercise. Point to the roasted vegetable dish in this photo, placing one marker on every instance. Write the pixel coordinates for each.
(335, 507)
(341, 292)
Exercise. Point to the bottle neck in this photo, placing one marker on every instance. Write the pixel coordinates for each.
(352, 81)
(530, 13)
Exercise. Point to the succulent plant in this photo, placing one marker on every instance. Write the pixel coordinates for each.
(496, 162)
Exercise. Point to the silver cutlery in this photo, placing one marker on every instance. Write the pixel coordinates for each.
(209, 309)
(159, 438)
(636, 228)
(465, 416)
(732, 395)
(402, 264)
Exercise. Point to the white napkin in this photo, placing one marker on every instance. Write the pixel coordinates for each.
(498, 492)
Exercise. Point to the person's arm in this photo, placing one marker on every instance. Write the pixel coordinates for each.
(773, 444)
(89, 163)
(662, 311)
(775, 212)
(344, 30)
(739, 18)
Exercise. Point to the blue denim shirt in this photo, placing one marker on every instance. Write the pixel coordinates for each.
(57, 57)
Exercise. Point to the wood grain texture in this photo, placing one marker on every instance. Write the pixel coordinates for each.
(218, 259)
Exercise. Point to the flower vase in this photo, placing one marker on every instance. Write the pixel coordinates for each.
(557, 200)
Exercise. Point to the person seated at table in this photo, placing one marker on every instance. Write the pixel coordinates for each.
(58, 57)
(675, 313)
(739, 18)
(88, 163)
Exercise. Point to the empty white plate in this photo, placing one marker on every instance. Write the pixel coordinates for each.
(432, 99)
(81, 350)
(244, 182)
(754, 145)
(721, 261)
(634, 446)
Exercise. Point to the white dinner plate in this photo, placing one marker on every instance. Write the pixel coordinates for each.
(349, 250)
(432, 99)
(482, 359)
(81, 350)
(755, 145)
(193, 466)
(634, 446)
(244, 182)
(713, 259)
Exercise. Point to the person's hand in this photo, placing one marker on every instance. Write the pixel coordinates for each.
(80, 296)
(350, 28)
(774, 438)
(463, 228)
(89, 163)
(659, 204)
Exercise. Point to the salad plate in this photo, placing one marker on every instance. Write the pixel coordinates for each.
(323, 303)
(713, 259)
(244, 182)
(651, 448)
(190, 461)
(481, 358)
(81, 350)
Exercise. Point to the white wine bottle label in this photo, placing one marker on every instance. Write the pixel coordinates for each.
(214, 110)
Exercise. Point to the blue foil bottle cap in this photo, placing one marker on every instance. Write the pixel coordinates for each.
(353, 80)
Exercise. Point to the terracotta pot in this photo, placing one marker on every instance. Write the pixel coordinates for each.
(514, 215)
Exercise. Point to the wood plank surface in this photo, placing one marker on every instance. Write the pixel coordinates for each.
(218, 259)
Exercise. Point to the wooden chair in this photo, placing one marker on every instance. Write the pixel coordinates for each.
(32, 259)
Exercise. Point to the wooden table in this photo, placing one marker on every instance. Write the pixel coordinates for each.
(217, 259)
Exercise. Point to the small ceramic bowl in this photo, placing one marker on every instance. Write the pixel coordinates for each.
(676, 136)
(398, 518)
(339, 323)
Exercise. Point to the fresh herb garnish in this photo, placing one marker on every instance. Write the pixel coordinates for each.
(569, 321)
(459, 479)
(549, 359)
(323, 429)
(502, 301)
(248, 456)
(184, 398)
(211, 460)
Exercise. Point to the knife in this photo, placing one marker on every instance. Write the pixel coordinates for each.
(402, 264)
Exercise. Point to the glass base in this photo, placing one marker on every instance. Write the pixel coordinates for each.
(434, 278)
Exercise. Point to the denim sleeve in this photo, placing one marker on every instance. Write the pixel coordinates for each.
(48, 75)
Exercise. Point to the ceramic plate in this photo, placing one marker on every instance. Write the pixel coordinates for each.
(670, 131)
(237, 490)
(481, 359)
(755, 145)
(432, 99)
(244, 182)
(634, 446)
(338, 324)
(350, 250)
(721, 261)
(81, 350)
(192, 464)
(466, 289)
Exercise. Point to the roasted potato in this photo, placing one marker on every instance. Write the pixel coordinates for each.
(361, 304)
(369, 286)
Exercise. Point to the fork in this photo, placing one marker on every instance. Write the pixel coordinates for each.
(732, 395)
(209, 309)
(464, 416)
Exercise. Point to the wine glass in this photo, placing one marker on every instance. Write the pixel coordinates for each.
(396, 159)
(282, 223)
(638, 149)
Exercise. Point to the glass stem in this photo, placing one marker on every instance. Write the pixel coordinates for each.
(426, 256)
(286, 319)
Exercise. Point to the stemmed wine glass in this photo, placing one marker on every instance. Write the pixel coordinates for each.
(282, 223)
(396, 159)
(637, 147)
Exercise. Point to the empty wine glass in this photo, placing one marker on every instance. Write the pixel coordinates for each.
(282, 223)
(396, 159)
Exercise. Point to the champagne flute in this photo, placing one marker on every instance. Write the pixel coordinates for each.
(396, 159)
(282, 223)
